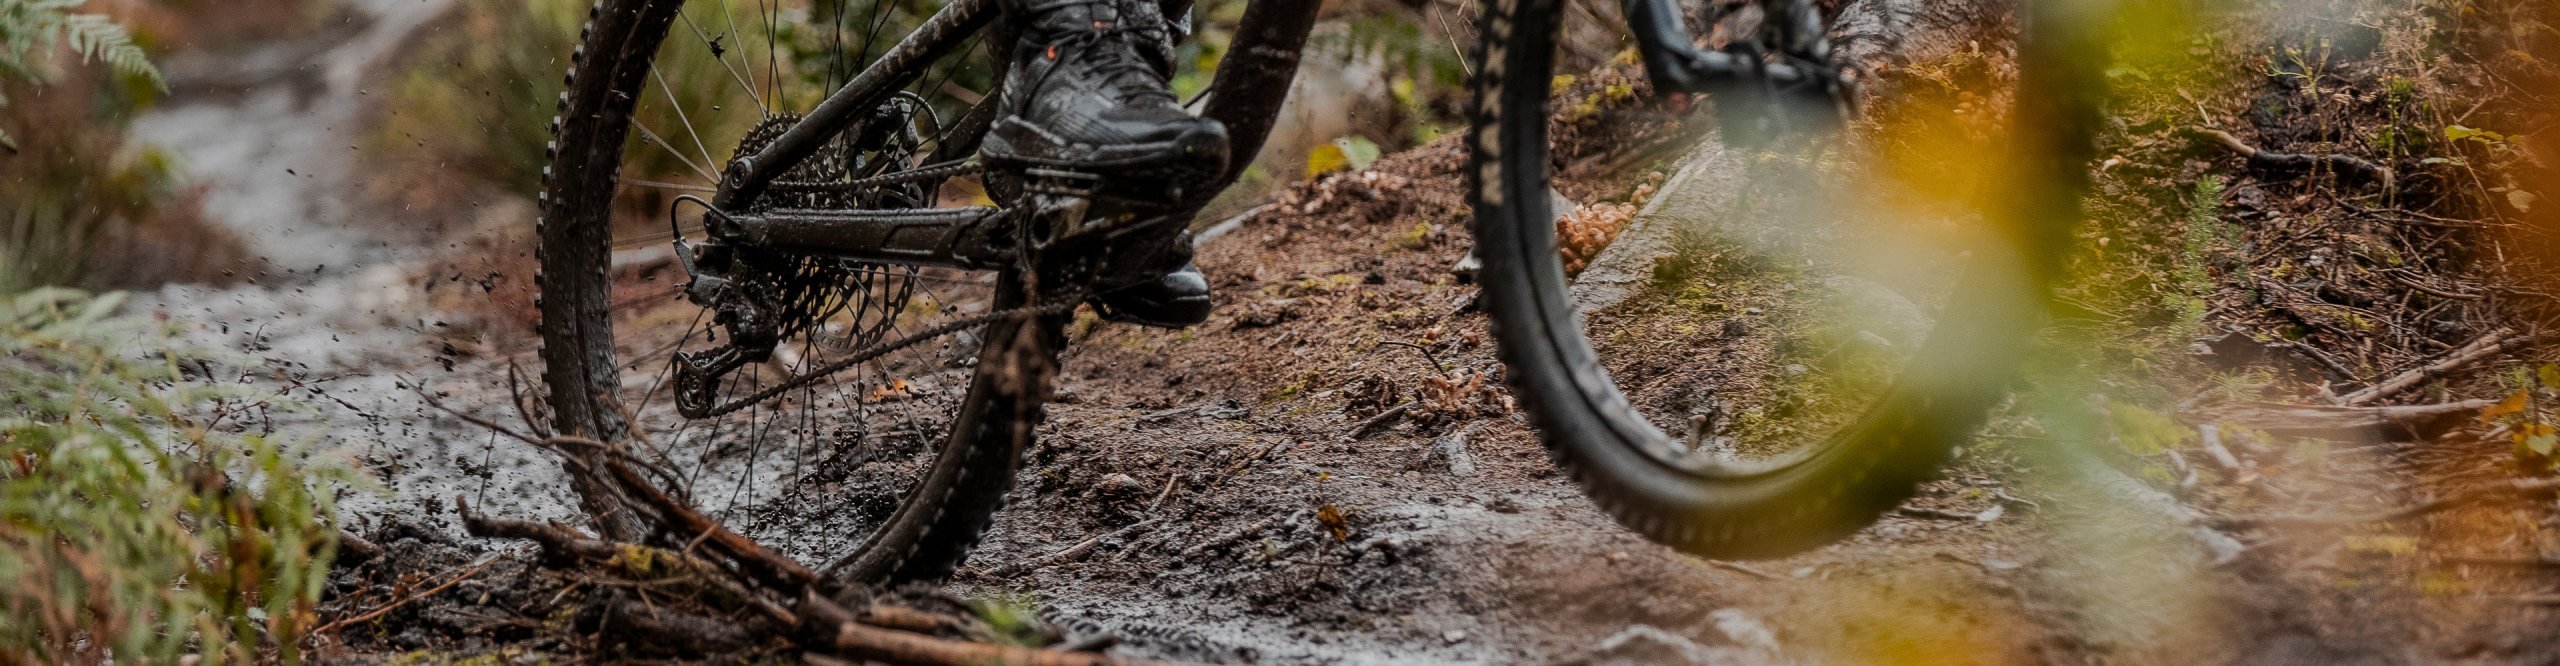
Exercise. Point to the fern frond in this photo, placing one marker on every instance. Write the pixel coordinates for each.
(32, 27)
(96, 37)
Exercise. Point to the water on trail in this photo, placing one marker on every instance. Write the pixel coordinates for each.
(342, 325)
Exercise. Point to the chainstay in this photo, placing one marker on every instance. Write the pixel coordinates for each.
(923, 174)
(883, 349)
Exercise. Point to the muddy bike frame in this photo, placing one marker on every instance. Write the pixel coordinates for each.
(1246, 95)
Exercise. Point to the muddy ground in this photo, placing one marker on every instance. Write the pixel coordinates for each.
(1200, 461)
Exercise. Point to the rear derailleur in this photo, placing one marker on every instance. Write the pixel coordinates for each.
(754, 329)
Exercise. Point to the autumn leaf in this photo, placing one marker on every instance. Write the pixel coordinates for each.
(1334, 521)
(896, 389)
(2514, 404)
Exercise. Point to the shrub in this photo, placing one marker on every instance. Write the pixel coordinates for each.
(137, 523)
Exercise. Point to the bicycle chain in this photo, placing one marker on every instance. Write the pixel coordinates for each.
(913, 175)
(882, 349)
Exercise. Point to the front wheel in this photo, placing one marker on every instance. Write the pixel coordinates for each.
(1774, 474)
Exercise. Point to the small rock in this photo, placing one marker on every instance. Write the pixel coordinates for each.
(1453, 636)
(1644, 645)
(1740, 628)
(1450, 450)
(1117, 484)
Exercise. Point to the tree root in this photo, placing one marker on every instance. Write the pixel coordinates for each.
(2297, 161)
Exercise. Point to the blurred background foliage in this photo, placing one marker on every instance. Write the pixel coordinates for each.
(80, 204)
(142, 517)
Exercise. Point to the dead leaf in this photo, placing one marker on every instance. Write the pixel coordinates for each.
(2512, 405)
(896, 389)
(1334, 521)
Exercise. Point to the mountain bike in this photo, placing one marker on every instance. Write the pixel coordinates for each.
(870, 315)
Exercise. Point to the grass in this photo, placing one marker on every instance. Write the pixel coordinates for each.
(140, 518)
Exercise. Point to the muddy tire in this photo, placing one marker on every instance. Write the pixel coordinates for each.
(937, 523)
(1816, 494)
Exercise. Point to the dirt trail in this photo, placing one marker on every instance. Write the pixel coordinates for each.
(345, 324)
(1236, 518)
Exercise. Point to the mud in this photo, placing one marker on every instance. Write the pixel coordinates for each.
(1241, 520)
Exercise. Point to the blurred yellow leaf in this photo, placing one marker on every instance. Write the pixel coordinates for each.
(2512, 405)
(1326, 159)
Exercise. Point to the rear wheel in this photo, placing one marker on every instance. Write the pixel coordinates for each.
(890, 468)
(1799, 443)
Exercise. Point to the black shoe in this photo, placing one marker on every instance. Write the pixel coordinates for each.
(1087, 93)
(1179, 299)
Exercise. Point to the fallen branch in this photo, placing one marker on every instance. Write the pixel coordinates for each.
(2214, 547)
(831, 627)
(2471, 496)
(2487, 346)
(626, 624)
(879, 633)
(772, 568)
(1744, 569)
(2394, 422)
(1071, 552)
(368, 616)
(1379, 422)
(1231, 537)
(2294, 161)
(2209, 436)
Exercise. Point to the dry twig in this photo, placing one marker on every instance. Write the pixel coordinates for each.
(2488, 345)
(2471, 496)
(2390, 422)
(1379, 422)
(2275, 160)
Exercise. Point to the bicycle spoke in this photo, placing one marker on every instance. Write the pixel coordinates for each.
(712, 46)
(688, 162)
(682, 117)
(663, 185)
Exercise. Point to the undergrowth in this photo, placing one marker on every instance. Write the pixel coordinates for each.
(142, 518)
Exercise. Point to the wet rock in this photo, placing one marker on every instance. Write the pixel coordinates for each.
(1740, 628)
(1645, 645)
(1881, 312)
(1118, 485)
(1450, 452)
